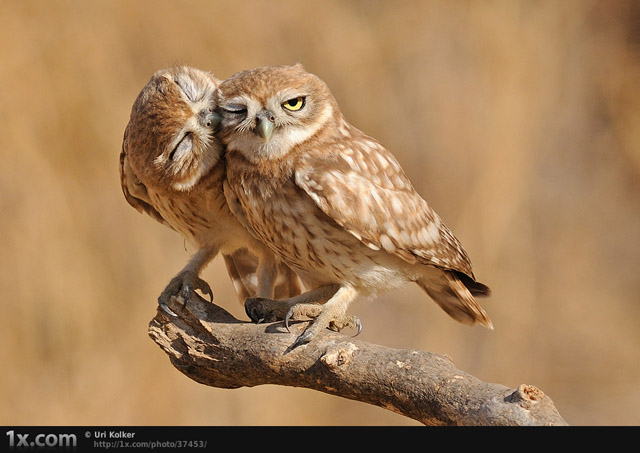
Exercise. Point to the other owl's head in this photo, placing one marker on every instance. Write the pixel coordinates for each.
(269, 110)
(170, 140)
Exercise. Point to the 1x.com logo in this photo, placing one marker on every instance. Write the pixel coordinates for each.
(17, 440)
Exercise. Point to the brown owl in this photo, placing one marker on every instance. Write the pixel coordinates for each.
(333, 203)
(172, 167)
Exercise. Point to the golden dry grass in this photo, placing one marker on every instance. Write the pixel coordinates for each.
(518, 121)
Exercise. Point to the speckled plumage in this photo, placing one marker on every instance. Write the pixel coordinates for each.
(332, 202)
(172, 168)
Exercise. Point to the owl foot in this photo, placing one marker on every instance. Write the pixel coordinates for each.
(325, 317)
(261, 309)
(181, 286)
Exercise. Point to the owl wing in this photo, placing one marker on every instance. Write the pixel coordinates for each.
(362, 188)
(135, 192)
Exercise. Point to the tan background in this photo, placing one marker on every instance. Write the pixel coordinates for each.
(517, 121)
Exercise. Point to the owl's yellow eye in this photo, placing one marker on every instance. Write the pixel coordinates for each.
(294, 104)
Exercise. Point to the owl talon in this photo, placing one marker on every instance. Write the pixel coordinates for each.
(300, 311)
(260, 309)
(185, 294)
(209, 293)
(304, 338)
(254, 310)
(166, 309)
(323, 318)
(188, 288)
(349, 321)
(182, 286)
(358, 327)
(308, 334)
(286, 320)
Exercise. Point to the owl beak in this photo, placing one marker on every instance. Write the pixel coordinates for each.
(210, 118)
(215, 119)
(264, 124)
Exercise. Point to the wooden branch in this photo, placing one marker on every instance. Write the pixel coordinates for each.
(210, 346)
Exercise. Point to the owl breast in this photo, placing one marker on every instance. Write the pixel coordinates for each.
(184, 215)
(320, 250)
(202, 215)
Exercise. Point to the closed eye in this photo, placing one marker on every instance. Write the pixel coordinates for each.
(236, 109)
(183, 146)
(188, 88)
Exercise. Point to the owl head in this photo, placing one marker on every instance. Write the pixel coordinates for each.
(267, 111)
(170, 140)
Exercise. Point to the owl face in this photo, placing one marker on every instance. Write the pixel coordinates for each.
(170, 135)
(268, 111)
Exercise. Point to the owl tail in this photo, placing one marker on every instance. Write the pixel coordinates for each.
(453, 292)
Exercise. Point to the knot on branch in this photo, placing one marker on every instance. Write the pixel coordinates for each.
(526, 396)
(338, 355)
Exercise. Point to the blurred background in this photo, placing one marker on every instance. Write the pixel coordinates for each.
(519, 122)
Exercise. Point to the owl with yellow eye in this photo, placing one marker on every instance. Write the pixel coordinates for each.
(332, 203)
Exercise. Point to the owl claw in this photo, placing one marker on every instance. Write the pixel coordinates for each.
(286, 321)
(254, 309)
(358, 326)
(260, 309)
(166, 309)
(322, 320)
(348, 321)
(209, 292)
(303, 338)
(182, 286)
(298, 311)
(200, 284)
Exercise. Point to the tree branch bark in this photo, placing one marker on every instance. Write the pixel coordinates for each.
(210, 346)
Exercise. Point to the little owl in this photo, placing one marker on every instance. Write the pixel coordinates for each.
(332, 203)
(172, 167)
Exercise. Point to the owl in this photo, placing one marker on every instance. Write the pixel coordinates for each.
(332, 203)
(172, 168)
